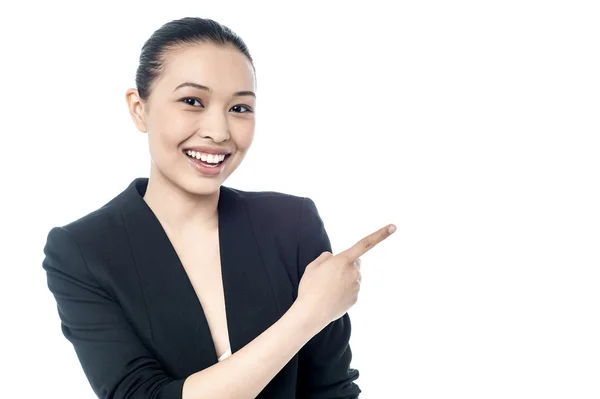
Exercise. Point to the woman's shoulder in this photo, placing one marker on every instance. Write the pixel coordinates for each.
(279, 211)
(100, 223)
(268, 204)
(262, 195)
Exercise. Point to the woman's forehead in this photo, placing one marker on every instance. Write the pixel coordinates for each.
(222, 68)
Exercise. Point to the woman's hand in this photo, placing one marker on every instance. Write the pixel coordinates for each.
(330, 284)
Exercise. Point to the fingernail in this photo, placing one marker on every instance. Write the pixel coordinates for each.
(391, 229)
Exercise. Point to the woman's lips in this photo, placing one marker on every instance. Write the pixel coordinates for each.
(206, 168)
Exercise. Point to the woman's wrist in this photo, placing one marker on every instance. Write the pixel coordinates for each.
(309, 318)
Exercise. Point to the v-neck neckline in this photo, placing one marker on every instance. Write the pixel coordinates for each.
(187, 269)
(176, 316)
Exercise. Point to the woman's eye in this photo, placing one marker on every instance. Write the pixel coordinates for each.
(241, 109)
(192, 101)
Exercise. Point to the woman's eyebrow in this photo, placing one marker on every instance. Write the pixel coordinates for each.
(205, 88)
(245, 93)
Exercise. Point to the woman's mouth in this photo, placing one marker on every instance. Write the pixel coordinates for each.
(210, 164)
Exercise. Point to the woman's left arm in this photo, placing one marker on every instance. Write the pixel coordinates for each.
(324, 362)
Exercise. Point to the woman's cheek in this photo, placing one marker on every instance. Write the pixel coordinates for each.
(244, 136)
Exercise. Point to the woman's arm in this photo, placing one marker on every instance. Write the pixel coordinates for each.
(119, 366)
(249, 370)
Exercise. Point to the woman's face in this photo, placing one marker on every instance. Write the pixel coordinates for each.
(203, 102)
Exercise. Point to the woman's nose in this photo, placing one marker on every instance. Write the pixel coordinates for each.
(215, 126)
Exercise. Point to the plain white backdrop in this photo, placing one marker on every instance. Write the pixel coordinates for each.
(473, 126)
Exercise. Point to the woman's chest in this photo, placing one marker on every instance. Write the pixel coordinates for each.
(188, 300)
(201, 261)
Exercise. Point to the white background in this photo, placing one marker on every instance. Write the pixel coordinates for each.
(471, 125)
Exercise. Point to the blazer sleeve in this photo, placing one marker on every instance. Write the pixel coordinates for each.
(115, 361)
(324, 362)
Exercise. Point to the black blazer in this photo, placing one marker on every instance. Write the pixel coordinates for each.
(135, 321)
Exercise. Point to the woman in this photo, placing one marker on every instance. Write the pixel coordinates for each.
(181, 287)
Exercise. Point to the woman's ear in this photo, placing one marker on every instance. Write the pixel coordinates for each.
(136, 109)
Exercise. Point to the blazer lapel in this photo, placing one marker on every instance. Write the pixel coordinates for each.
(180, 330)
(249, 296)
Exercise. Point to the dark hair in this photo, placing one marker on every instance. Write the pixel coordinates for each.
(179, 32)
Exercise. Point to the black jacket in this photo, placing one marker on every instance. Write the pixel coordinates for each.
(127, 306)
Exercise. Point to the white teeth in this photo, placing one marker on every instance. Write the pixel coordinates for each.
(210, 158)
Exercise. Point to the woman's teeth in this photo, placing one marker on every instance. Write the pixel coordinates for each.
(208, 158)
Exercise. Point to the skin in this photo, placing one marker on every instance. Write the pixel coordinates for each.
(186, 204)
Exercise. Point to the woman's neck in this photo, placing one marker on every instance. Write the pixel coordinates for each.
(178, 210)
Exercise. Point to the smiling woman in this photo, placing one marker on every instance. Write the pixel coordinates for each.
(181, 287)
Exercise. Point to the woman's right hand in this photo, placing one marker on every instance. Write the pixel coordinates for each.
(330, 284)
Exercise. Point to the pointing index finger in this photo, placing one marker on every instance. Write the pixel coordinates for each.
(364, 245)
